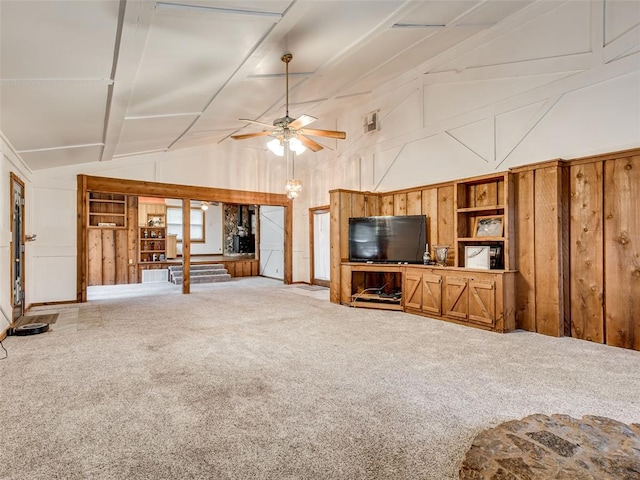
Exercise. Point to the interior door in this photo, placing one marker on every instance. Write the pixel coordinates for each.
(321, 247)
(272, 242)
(17, 247)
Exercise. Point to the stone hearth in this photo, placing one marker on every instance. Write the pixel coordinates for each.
(557, 447)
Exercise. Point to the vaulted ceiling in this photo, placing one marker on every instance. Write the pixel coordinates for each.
(88, 81)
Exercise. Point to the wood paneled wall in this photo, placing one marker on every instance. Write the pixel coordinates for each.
(605, 249)
(576, 234)
(541, 258)
(109, 251)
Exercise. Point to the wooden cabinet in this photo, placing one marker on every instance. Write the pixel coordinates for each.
(372, 286)
(479, 298)
(153, 244)
(471, 299)
(107, 210)
(423, 291)
(483, 216)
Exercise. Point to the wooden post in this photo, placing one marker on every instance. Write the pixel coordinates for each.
(186, 245)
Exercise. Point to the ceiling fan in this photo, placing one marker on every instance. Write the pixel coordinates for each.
(287, 130)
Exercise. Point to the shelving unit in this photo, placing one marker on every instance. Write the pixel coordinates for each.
(107, 210)
(153, 244)
(485, 196)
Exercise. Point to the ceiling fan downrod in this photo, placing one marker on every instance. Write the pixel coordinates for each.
(286, 58)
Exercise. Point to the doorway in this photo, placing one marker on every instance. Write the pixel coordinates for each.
(17, 248)
(320, 246)
(272, 220)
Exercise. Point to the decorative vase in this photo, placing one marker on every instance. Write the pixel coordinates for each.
(441, 252)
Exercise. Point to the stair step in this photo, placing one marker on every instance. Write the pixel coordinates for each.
(208, 266)
(204, 279)
(205, 273)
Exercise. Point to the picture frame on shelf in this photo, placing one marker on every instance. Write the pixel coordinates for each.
(488, 226)
(477, 256)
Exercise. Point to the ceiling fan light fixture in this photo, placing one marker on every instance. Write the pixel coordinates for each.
(276, 147)
(296, 146)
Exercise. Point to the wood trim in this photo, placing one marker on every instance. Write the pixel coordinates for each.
(82, 267)
(14, 178)
(48, 304)
(288, 242)
(3, 334)
(558, 162)
(312, 212)
(632, 152)
(168, 190)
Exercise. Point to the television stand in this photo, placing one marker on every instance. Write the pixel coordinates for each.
(374, 286)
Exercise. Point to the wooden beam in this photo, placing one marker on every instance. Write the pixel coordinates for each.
(170, 190)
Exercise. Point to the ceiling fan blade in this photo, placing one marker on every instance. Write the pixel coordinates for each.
(302, 121)
(251, 135)
(256, 122)
(323, 133)
(310, 144)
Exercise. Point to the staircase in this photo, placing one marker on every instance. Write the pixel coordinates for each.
(200, 274)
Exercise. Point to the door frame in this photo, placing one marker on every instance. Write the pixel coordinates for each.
(312, 212)
(14, 179)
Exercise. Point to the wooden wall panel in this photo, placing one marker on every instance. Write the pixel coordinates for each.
(445, 221)
(121, 260)
(94, 250)
(371, 205)
(345, 213)
(430, 209)
(386, 205)
(622, 251)
(524, 238)
(548, 252)
(335, 258)
(400, 204)
(414, 203)
(357, 205)
(108, 257)
(132, 238)
(587, 278)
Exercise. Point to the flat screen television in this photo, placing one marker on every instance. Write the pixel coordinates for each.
(387, 239)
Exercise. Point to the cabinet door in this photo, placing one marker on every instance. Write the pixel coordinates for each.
(456, 298)
(482, 302)
(432, 293)
(412, 291)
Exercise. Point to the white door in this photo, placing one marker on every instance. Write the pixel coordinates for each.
(272, 242)
(321, 248)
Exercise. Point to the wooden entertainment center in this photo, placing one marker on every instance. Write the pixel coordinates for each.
(482, 298)
(479, 298)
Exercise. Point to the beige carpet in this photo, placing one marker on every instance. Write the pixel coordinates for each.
(255, 380)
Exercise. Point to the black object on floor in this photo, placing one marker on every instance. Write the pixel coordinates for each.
(31, 329)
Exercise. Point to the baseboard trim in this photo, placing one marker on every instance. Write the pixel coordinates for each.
(3, 334)
(47, 304)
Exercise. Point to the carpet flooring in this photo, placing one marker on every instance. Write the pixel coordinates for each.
(48, 318)
(252, 379)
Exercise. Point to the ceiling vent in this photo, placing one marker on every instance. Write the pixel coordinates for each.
(372, 121)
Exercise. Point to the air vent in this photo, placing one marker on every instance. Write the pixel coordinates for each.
(372, 122)
(155, 276)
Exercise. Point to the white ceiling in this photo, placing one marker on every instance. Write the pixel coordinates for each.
(87, 81)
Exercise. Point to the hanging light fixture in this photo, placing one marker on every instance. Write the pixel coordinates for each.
(293, 186)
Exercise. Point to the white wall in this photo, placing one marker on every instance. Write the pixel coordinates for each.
(559, 85)
(11, 163)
